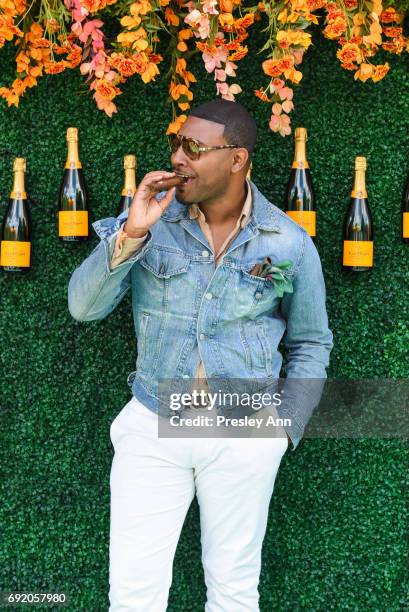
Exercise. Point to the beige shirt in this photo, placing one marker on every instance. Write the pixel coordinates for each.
(126, 246)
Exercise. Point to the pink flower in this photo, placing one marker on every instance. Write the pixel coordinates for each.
(227, 92)
(287, 106)
(298, 54)
(209, 6)
(91, 29)
(219, 75)
(276, 109)
(204, 26)
(193, 18)
(106, 105)
(278, 83)
(281, 124)
(229, 68)
(285, 93)
(213, 61)
(79, 13)
(85, 68)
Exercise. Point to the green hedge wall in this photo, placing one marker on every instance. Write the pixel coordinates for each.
(336, 533)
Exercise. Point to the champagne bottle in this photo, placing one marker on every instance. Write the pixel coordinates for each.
(73, 199)
(405, 215)
(16, 228)
(129, 186)
(358, 226)
(300, 196)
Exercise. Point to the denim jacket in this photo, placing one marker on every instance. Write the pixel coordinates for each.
(186, 309)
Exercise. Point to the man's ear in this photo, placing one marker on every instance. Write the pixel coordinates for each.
(240, 158)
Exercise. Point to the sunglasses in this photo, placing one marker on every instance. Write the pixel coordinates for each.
(191, 147)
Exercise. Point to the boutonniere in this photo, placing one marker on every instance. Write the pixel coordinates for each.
(274, 272)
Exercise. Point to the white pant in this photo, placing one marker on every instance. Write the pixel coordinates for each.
(153, 482)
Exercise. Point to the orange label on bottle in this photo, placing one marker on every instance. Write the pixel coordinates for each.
(73, 223)
(405, 225)
(15, 253)
(305, 218)
(358, 253)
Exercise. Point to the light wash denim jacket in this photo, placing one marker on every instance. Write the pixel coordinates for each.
(186, 309)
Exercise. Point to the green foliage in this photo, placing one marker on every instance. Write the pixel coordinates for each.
(336, 534)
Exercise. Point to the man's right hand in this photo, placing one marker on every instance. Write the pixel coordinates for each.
(145, 210)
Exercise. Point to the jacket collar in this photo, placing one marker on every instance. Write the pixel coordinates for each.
(263, 212)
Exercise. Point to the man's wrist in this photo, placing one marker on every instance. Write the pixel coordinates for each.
(136, 233)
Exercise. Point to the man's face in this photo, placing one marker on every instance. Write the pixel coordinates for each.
(212, 171)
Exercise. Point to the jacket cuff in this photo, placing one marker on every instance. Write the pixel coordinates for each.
(107, 230)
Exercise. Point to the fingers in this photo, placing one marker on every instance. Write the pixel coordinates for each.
(152, 179)
(166, 200)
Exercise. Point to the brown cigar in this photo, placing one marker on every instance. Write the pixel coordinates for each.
(172, 181)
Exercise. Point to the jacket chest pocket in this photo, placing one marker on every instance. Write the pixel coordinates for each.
(165, 284)
(164, 263)
(257, 294)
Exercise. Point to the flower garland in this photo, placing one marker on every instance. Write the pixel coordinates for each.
(52, 36)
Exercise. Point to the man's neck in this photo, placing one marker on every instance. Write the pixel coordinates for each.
(226, 208)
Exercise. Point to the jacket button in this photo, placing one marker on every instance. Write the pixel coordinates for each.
(202, 336)
(257, 295)
(205, 253)
(209, 296)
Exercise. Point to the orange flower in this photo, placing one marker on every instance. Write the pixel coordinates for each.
(41, 43)
(285, 38)
(22, 62)
(19, 86)
(35, 71)
(105, 89)
(226, 6)
(238, 55)
(275, 67)
(226, 19)
(127, 66)
(244, 22)
(397, 45)
(171, 18)
(260, 94)
(392, 31)
(74, 58)
(185, 34)
(10, 96)
(174, 127)
(130, 22)
(349, 54)
(335, 28)
(380, 72)
(30, 81)
(54, 67)
(314, 5)
(364, 72)
(389, 15)
(149, 74)
(351, 4)
(142, 7)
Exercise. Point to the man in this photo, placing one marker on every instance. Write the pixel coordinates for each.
(191, 257)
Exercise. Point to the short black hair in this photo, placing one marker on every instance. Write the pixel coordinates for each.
(239, 126)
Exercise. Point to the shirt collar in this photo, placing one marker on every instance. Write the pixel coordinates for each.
(195, 212)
